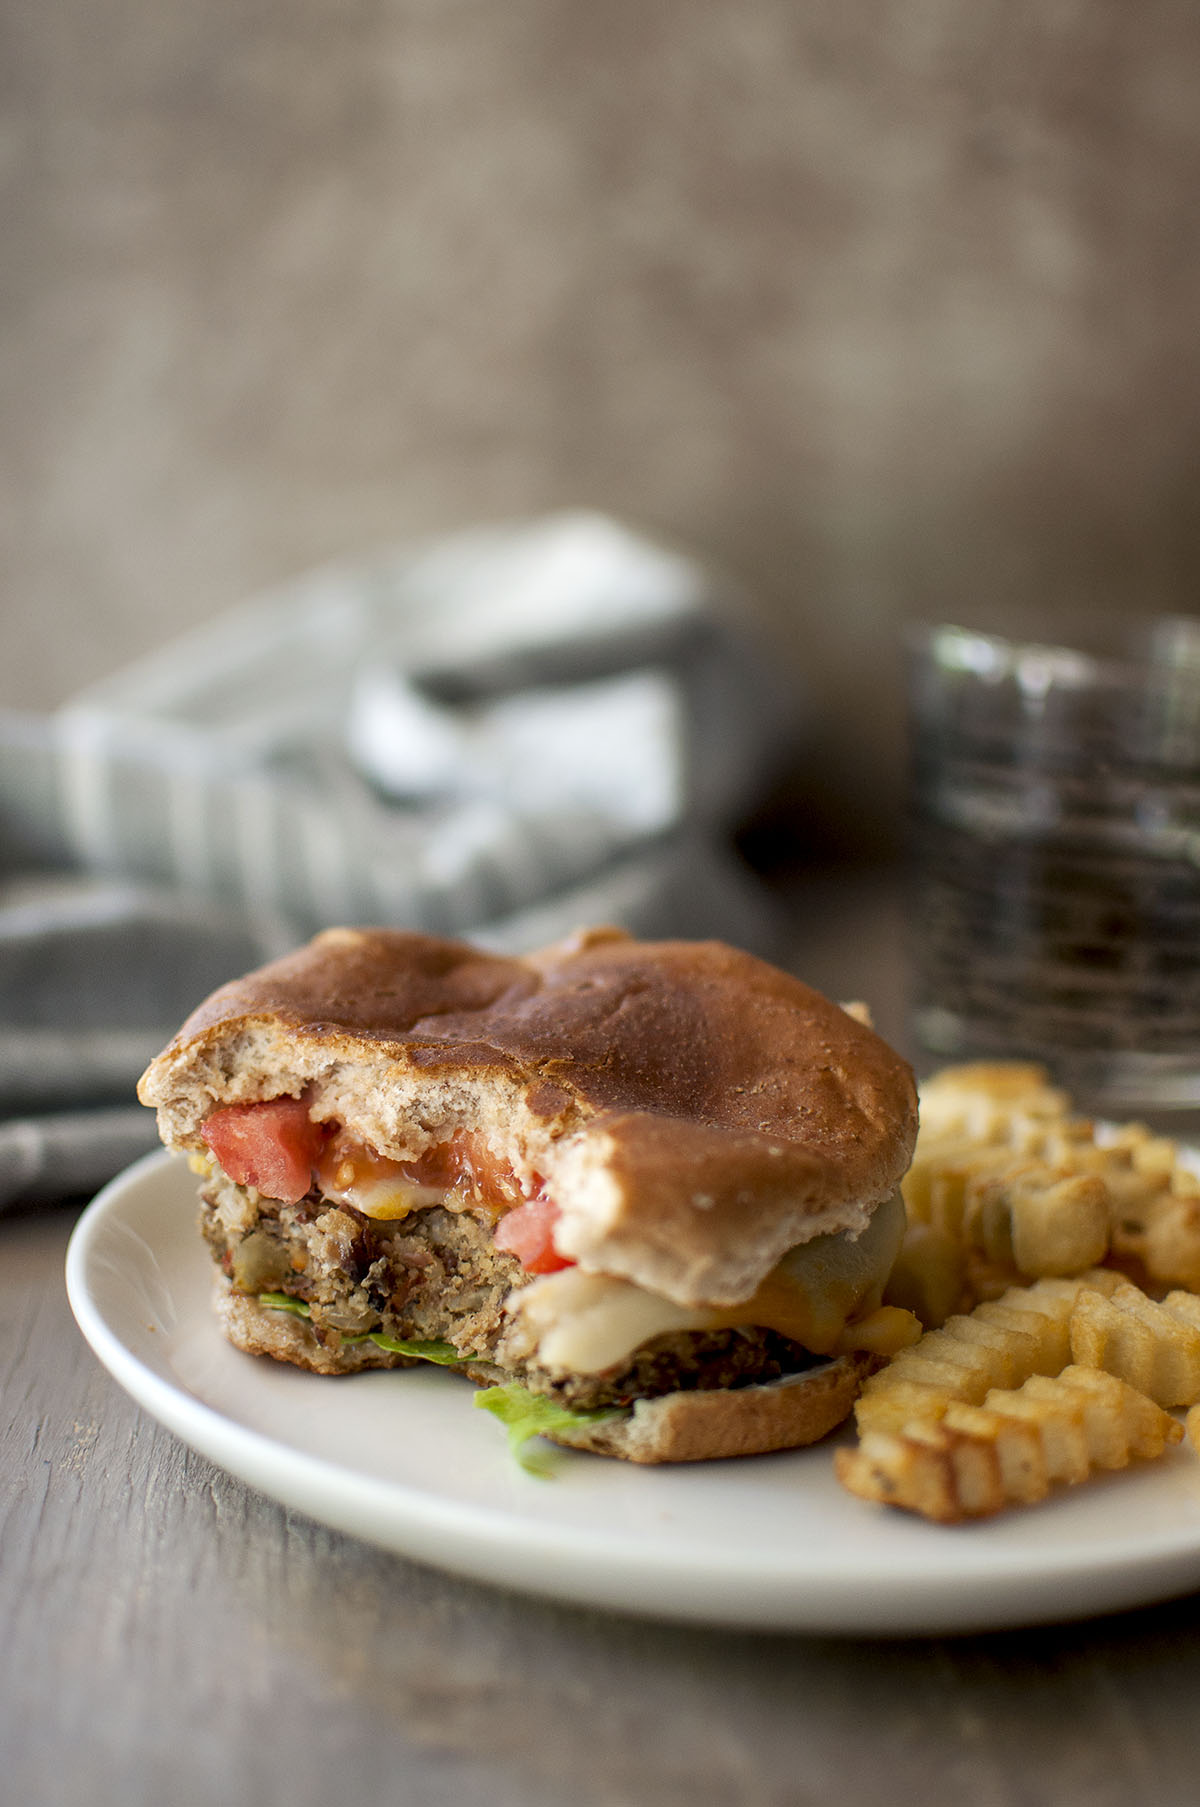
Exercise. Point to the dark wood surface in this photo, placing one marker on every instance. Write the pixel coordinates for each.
(172, 1636)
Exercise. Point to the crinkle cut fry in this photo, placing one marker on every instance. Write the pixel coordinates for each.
(981, 1098)
(977, 1460)
(1043, 1217)
(993, 1138)
(1024, 1332)
(1155, 1347)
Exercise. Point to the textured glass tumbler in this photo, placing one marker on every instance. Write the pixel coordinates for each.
(1055, 882)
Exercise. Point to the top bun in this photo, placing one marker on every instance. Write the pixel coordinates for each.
(693, 1111)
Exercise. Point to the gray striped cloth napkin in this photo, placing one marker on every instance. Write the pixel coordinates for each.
(502, 734)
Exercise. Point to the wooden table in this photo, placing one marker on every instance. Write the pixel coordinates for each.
(171, 1636)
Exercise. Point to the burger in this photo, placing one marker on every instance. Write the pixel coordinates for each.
(645, 1194)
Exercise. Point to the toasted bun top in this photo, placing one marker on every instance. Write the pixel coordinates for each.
(693, 1111)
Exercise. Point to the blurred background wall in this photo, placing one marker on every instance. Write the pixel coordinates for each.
(893, 309)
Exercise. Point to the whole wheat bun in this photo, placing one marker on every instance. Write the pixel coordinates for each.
(688, 1426)
(693, 1111)
(697, 1426)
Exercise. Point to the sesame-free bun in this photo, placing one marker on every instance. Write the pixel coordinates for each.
(700, 1426)
(693, 1111)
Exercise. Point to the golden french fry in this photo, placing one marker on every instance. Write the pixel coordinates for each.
(914, 1469)
(1049, 1330)
(906, 1401)
(1025, 1332)
(995, 1167)
(1156, 1348)
(1057, 1419)
(1050, 1333)
(1010, 1450)
(1064, 1366)
(982, 1097)
(1120, 1420)
(1024, 1476)
(964, 1373)
(1001, 1355)
(1169, 1241)
(1002, 1166)
(1184, 1305)
(1059, 1227)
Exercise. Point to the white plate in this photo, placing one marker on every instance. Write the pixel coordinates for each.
(403, 1460)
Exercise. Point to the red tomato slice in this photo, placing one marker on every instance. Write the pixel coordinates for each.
(528, 1233)
(271, 1146)
(466, 1162)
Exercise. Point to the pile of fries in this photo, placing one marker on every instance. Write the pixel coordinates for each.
(1056, 1272)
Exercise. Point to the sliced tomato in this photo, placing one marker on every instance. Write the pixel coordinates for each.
(528, 1233)
(271, 1146)
(466, 1163)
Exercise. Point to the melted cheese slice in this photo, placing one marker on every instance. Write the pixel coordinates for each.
(819, 1294)
(387, 1200)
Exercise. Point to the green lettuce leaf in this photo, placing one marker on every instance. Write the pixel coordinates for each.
(285, 1302)
(525, 1415)
(442, 1353)
(528, 1415)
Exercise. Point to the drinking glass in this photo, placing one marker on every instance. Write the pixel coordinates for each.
(1055, 883)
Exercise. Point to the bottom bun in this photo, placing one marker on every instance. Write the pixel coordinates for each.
(286, 1337)
(700, 1426)
(691, 1426)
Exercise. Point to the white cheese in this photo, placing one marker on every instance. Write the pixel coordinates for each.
(587, 1322)
(386, 1200)
(584, 1323)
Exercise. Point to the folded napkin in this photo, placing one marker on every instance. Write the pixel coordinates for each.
(502, 734)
